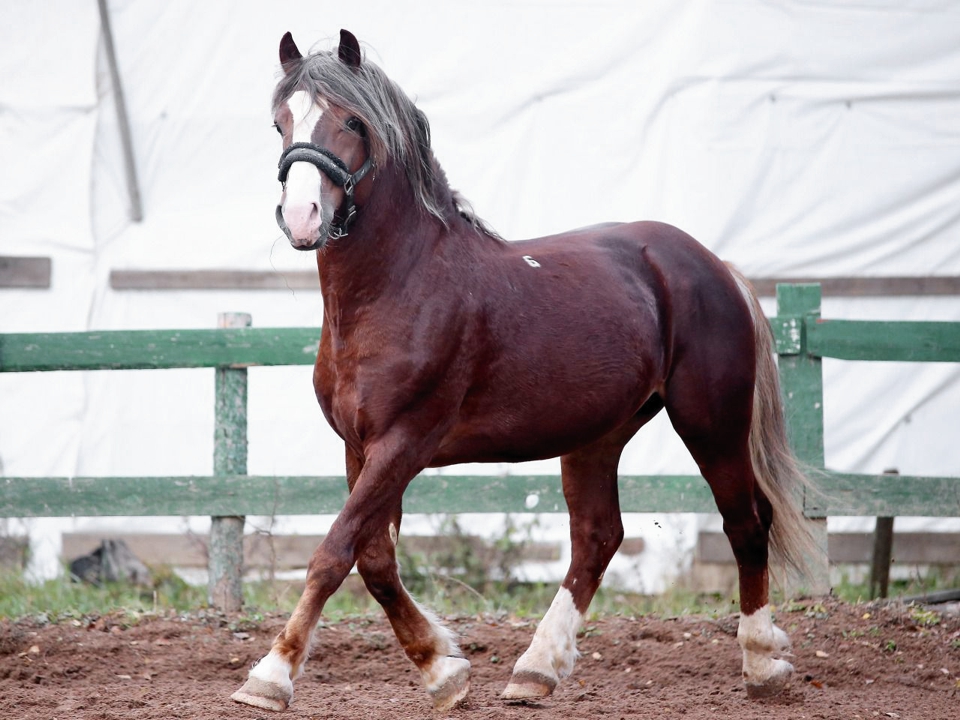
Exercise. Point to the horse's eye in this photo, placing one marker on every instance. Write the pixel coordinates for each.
(277, 128)
(354, 125)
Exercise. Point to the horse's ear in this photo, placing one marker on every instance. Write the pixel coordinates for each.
(289, 53)
(349, 50)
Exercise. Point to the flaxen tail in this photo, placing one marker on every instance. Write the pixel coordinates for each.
(777, 470)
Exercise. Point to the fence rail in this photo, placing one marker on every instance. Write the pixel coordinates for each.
(802, 339)
(849, 494)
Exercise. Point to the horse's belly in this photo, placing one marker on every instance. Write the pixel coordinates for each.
(541, 424)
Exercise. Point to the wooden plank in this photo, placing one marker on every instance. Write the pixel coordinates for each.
(801, 378)
(191, 550)
(24, 272)
(225, 577)
(881, 556)
(801, 385)
(787, 333)
(885, 340)
(665, 493)
(915, 548)
(229, 279)
(157, 349)
(891, 495)
(846, 494)
(847, 286)
(214, 280)
(284, 552)
(254, 495)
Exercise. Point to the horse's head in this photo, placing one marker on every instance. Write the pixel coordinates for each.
(325, 154)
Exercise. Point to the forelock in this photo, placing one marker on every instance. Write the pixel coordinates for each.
(396, 129)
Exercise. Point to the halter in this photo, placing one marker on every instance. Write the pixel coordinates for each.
(338, 173)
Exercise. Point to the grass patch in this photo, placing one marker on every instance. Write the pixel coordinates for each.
(62, 599)
(934, 579)
(447, 594)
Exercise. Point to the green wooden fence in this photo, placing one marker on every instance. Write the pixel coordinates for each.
(803, 339)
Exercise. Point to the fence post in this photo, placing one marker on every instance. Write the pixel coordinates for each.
(801, 380)
(882, 552)
(225, 563)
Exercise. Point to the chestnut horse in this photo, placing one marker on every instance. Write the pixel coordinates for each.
(444, 344)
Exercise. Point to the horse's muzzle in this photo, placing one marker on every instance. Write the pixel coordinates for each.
(314, 244)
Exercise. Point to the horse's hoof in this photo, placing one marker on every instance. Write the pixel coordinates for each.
(261, 694)
(774, 684)
(450, 684)
(528, 685)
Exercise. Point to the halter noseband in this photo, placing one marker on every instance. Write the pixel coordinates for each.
(335, 169)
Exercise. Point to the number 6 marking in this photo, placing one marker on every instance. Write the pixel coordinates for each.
(530, 261)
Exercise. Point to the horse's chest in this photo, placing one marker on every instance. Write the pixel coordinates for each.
(356, 395)
(339, 397)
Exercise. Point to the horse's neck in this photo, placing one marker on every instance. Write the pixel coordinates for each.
(390, 238)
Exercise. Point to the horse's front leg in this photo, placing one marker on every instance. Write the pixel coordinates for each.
(430, 645)
(364, 532)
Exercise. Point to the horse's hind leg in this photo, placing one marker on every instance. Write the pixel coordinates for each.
(712, 413)
(590, 489)
(746, 522)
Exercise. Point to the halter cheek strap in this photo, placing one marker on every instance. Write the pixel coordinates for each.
(335, 169)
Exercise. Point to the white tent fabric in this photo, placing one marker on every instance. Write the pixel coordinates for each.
(794, 138)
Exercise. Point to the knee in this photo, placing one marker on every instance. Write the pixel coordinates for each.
(380, 574)
(328, 561)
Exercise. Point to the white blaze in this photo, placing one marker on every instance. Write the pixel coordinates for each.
(301, 196)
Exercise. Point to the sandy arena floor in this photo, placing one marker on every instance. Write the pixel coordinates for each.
(853, 662)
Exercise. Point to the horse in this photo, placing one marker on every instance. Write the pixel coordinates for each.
(443, 343)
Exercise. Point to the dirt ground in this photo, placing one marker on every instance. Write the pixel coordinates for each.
(853, 661)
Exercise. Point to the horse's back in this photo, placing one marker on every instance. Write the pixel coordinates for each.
(652, 262)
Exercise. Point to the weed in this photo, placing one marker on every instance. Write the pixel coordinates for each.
(924, 617)
(935, 578)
